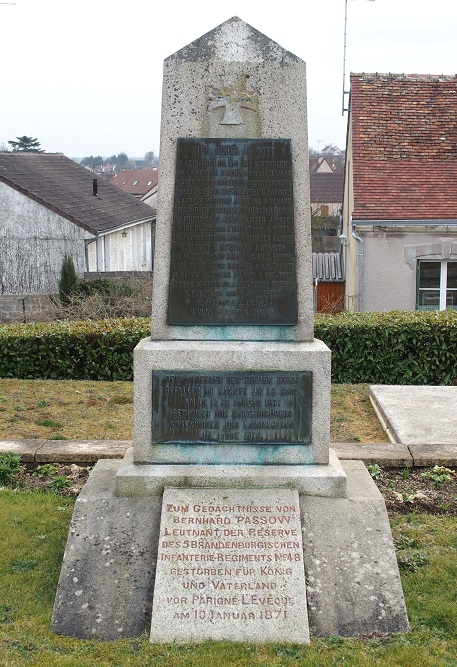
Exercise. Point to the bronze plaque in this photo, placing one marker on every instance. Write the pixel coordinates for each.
(233, 241)
(220, 407)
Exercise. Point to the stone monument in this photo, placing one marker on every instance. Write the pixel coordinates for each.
(231, 493)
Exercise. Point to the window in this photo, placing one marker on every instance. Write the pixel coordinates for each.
(436, 285)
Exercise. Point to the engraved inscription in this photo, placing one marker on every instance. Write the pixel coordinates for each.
(232, 556)
(249, 407)
(233, 243)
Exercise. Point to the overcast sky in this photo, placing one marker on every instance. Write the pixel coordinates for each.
(85, 76)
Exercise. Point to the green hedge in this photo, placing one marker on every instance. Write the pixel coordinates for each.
(67, 350)
(392, 347)
(382, 348)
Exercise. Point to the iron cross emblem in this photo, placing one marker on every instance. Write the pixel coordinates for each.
(233, 98)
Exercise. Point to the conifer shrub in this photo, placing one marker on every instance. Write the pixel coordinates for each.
(68, 283)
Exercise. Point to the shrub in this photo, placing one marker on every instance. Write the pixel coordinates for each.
(392, 347)
(68, 283)
(381, 348)
(71, 350)
(102, 298)
(10, 467)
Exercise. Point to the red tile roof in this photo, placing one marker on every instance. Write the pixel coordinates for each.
(404, 146)
(326, 188)
(135, 181)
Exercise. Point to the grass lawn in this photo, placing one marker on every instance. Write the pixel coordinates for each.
(85, 410)
(34, 527)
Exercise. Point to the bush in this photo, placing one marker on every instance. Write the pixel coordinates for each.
(392, 347)
(381, 348)
(71, 350)
(100, 299)
(68, 283)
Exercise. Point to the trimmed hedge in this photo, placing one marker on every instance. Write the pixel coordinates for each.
(391, 348)
(67, 350)
(381, 348)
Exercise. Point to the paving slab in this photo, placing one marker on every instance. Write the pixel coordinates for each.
(418, 414)
(80, 451)
(431, 455)
(25, 448)
(383, 453)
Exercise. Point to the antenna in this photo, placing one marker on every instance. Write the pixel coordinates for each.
(345, 92)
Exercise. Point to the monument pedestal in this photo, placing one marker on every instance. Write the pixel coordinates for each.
(242, 387)
(231, 490)
(108, 574)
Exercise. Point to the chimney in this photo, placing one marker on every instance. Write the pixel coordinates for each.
(94, 187)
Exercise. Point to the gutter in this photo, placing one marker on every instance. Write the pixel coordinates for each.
(423, 222)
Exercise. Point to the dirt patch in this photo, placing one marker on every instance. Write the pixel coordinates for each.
(353, 418)
(404, 491)
(66, 480)
(419, 490)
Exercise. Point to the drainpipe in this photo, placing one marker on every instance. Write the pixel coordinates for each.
(361, 267)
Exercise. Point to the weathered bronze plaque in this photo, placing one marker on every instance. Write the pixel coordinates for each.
(220, 407)
(233, 244)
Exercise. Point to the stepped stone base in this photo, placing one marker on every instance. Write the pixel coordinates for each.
(328, 481)
(106, 584)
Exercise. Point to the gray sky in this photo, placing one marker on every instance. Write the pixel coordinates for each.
(85, 76)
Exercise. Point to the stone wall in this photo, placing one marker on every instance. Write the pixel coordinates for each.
(22, 307)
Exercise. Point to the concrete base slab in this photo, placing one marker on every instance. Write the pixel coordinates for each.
(75, 451)
(433, 455)
(105, 589)
(354, 585)
(106, 582)
(384, 454)
(143, 480)
(27, 449)
(418, 414)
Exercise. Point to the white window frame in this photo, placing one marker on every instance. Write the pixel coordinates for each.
(443, 281)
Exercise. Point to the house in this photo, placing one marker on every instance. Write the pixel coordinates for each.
(150, 198)
(326, 196)
(136, 182)
(51, 206)
(318, 164)
(400, 199)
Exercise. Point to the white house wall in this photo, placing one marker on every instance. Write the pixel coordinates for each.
(389, 265)
(33, 242)
(129, 249)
